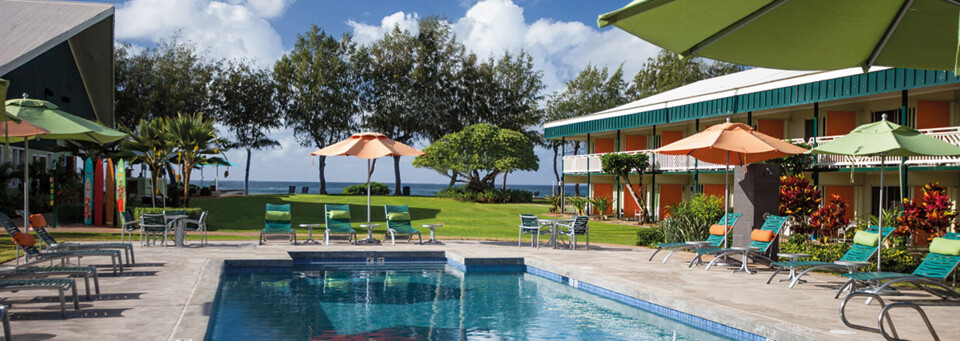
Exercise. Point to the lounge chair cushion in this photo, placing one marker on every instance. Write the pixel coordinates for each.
(945, 246)
(338, 214)
(277, 216)
(24, 239)
(762, 236)
(37, 220)
(866, 238)
(718, 230)
(399, 216)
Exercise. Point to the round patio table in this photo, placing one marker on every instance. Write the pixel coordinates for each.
(310, 233)
(553, 231)
(433, 239)
(370, 239)
(792, 256)
(178, 235)
(746, 256)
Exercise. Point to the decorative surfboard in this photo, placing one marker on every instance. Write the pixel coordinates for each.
(98, 192)
(121, 194)
(88, 192)
(107, 200)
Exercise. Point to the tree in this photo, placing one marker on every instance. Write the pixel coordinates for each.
(668, 71)
(245, 101)
(622, 165)
(151, 146)
(318, 92)
(193, 138)
(479, 153)
(794, 164)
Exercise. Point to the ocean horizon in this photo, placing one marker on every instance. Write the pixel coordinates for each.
(333, 187)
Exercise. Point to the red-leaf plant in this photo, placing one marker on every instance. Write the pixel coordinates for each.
(798, 199)
(831, 217)
(931, 213)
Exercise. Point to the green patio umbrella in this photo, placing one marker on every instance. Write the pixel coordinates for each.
(883, 139)
(59, 124)
(800, 35)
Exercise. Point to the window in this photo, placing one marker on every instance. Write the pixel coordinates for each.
(891, 198)
(892, 116)
(808, 130)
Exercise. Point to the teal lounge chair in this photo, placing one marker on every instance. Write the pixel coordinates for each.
(773, 223)
(928, 276)
(337, 221)
(851, 260)
(53, 245)
(33, 256)
(712, 240)
(398, 222)
(276, 220)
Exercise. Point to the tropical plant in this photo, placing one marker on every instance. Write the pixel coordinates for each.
(555, 201)
(478, 154)
(151, 147)
(579, 204)
(798, 199)
(602, 203)
(622, 164)
(793, 165)
(931, 213)
(691, 220)
(649, 236)
(831, 217)
(193, 138)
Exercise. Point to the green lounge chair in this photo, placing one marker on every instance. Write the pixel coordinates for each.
(773, 223)
(934, 269)
(577, 226)
(851, 260)
(337, 221)
(398, 222)
(712, 240)
(31, 252)
(531, 225)
(40, 226)
(276, 220)
(61, 285)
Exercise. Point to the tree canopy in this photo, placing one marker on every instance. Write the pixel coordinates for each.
(479, 153)
(668, 71)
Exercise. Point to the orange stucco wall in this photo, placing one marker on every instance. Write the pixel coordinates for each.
(629, 206)
(668, 137)
(603, 190)
(670, 195)
(635, 142)
(845, 192)
(933, 114)
(603, 146)
(841, 122)
(713, 189)
(771, 127)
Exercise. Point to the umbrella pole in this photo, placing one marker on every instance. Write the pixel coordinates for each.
(726, 195)
(880, 213)
(26, 185)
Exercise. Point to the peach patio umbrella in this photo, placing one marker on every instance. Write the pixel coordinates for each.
(368, 146)
(730, 144)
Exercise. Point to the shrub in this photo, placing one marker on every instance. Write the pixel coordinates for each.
(895, 259)
(831, 217)
(579, 204)
(649, 236)
(70, 213)
(192, 212)
(931, 213)
(798, 199)
(555, 201)
(691, 220)
(376, 188)
(487, 196)
(602, 203)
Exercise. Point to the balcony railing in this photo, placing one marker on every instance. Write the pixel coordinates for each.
(590, 163)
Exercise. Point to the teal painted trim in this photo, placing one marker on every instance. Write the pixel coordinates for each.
(859, 85)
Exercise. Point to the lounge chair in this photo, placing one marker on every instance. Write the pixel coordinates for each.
(934, 269)
(714, 240)
(577, 226)
(61, 285)
(398, 222)
(530, 224)
(857, 254)
(336, 219)
(32, 272)
(127, 226)
(156, 225)
(5, 317)
(38, 223)
(26, 242)
(762, 239)
(197, 225)
(277, 221)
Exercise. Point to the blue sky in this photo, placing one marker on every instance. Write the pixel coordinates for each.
(561, 36)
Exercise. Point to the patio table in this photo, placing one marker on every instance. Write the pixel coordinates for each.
(433, 239)
(178, 234)
(370, 239)
(553, 230)
(746, 256)
(310, 233)
(793, 271)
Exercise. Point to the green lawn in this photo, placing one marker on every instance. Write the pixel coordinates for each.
(462, 220)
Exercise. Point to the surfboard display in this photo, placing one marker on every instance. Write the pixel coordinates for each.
(110, 179)
(121, 195)
(98, 192)
(88, 192)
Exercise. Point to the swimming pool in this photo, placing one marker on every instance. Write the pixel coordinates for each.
(423, 302)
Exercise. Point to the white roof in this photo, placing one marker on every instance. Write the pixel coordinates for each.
(30, 28)
(740, 83)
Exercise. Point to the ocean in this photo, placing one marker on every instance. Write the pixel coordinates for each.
(420, 189)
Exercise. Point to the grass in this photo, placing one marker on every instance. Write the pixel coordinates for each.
(461, 220)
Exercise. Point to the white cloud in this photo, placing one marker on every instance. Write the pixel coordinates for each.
(232, 29)
(561, 49)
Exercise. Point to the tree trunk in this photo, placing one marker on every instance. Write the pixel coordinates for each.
(246, 175)
(453, 179)
(396, 174)
(556, 174)
(186, 186)
(173, 181)
(504, 188)
(636, 198)
(576, 151)
(153, 196)
(323, 180)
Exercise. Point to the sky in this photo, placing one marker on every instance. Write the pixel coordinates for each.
(562, 36)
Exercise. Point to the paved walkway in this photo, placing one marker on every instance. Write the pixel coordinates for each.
(169, 293)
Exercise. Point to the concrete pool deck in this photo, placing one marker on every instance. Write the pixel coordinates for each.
(169, 294)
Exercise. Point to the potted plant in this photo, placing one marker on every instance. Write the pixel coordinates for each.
(579, 204)
(602, 203)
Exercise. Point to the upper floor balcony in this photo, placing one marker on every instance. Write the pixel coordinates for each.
(590, 163)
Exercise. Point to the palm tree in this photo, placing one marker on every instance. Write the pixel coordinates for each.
(193, 138)
(150, 146)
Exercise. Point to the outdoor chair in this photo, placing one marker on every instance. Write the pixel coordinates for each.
(337, 221)
(577, 226)
(762, 239)
(60, 285)
(530, 224)
(25, 242)
(198, 225)
(398, 222)
(863, 250)
(277, 221)
(127, 226)
(172, 218)
(713, 240)
(39, 224)
(153, 225)
(35, 272)
(305, 190)
(930, 275)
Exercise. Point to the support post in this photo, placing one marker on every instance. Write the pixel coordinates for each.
(618, 191)
(904, 101)
(651, 204)
(588, 175)
(563, 152)
(816, 133)
(696, 163)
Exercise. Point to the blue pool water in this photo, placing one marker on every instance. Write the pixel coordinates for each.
(424, 302)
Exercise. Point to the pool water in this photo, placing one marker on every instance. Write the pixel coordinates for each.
(425, 303)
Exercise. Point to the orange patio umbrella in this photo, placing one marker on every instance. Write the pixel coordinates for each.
(730, 144)
(368, 146)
